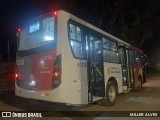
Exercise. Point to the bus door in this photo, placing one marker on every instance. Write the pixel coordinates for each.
(95, 68)
(127, 61)
(125, 74)
(130, 62)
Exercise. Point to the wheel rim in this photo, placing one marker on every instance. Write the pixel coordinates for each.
(139, 84)
(112, 93)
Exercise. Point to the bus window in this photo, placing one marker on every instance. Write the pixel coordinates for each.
(110, 45)
(78, 33)
(77, 49)
(131, 57)
(37, 34)
(123, 55)
(72, 32)
(75, 40)
(110, 53)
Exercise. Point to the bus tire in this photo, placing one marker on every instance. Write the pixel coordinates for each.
(111, 94)
(139, 84)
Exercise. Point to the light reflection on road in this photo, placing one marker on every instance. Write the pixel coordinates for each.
(152, 83)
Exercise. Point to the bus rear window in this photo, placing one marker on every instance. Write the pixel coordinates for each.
(37, 34)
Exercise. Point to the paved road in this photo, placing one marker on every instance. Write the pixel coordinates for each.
(146, 100)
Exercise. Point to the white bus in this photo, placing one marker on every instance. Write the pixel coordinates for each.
(61, 58)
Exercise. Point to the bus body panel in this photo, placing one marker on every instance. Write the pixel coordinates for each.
(73, 74)
(115, 71)
(38, 70)
(138, 73)
(52, 94)
(55, 95)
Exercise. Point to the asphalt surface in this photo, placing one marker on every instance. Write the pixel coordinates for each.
(146, 100)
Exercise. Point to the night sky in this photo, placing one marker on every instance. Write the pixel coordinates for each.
(118, 17)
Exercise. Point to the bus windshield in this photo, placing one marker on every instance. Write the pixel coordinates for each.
(37, 33)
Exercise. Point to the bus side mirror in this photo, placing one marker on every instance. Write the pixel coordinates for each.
(146, 60)
(147, 63)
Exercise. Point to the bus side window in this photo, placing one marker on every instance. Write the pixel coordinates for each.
(72, 32)
(75, 40)
(110, 53)
(131, 57)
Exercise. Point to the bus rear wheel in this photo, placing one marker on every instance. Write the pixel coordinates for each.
(111, 94)
(139, 84)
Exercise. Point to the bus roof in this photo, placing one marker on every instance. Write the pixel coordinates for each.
(73, 17)
(136, 49)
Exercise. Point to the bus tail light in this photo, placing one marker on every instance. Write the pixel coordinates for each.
(55, 13)
(56, 74)
(19, 30)
(17, 77)
(56, 77)
(16, 74)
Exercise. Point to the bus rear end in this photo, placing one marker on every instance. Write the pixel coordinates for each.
(38, 70)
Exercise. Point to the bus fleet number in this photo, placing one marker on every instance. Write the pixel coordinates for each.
(81, 64)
